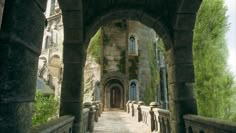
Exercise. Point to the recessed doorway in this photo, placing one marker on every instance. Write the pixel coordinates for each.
(115, 97)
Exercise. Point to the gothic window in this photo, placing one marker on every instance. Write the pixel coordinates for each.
(132, 46)
(132, 92)
(47, 42)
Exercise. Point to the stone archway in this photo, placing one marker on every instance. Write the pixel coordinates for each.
(116, 98)
(114, 80)
(172, 20)
(177, 18)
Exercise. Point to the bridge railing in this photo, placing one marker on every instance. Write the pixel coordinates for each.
(155, 118)
(158, 120)
(200, 124)
(64, 124)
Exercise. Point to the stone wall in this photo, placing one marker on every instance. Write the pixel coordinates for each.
(114, 46)
(145, 38)
(116, 56)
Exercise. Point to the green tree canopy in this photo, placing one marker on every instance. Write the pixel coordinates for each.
(213, 81)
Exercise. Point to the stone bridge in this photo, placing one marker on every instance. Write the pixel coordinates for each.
(137, 118)
(22, 27)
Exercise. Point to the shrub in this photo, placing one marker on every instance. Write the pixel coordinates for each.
(45, 108)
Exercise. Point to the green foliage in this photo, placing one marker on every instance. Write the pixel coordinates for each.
(45, 108)
(95, 44)
(213, 81)
(133, 69)
(150, 92)
(122, 62)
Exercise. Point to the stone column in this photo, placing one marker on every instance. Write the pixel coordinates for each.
(72, 84)
(20, 46)
(180, 80)
(91, 117)
(96, 106)
(140, 116)
(152, 115)
(163, 88)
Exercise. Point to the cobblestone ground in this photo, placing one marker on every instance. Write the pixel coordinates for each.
(119, 122)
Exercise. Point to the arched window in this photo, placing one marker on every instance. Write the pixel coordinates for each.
(46, 42)
(132, 92)
(132, 45)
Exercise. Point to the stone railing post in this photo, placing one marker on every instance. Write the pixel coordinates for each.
(127, 107)
(91, 115)
(140, 111)
(132, 107)
(167, 128)
(99, 108)
(95, 105)
(152, 115)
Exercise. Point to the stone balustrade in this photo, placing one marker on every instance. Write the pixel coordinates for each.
(64, 124)
(200, 124)
(155, 118)
(164, 120)
(85, 120)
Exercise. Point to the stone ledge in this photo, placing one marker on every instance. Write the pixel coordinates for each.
(209, 124)
(54, 125)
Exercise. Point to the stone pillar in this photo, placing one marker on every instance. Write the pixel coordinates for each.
(132, 108)
(127, 106)
(180, 79)
(91, 115)
(152, 115)
(99, 108)
(20, 46)
(165, 95)
(96, 111)
(140, 103)
(72, 84)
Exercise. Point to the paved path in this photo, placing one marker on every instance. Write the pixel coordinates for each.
(119, 122)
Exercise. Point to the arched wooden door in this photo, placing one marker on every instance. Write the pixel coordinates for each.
(115, 97)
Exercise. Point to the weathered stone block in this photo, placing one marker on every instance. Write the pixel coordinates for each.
(181, 55)
(183, 38)
(73, 108)
(73, 19)
(181, 91)
(70, 4)
(189, 6)
(24, 27)
(185, 21)
(181, 73)
(74, 53)
(73, 35)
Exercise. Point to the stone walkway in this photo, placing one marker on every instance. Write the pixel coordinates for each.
(119, 122)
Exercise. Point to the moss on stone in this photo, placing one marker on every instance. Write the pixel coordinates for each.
(151, 88)
(95, 44)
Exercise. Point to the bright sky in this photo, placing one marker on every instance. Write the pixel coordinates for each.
(231, 35)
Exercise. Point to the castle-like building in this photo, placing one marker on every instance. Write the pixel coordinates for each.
(130, 62)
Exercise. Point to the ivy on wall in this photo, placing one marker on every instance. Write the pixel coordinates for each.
(151, 87)
(95, 44)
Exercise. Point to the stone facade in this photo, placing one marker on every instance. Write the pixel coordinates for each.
(50, 66)
(117, 57)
